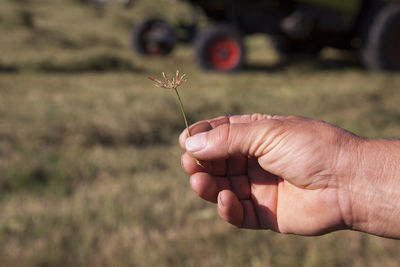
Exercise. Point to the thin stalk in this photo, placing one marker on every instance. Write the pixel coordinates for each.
(183, 111)
(185, 119)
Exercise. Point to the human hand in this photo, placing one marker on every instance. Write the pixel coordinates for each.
(287, 174)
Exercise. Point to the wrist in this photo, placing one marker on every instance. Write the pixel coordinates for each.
(373, 188)
(345, 170)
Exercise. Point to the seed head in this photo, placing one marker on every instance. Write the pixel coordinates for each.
(173, 83)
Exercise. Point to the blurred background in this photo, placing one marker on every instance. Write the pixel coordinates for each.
(89, 161)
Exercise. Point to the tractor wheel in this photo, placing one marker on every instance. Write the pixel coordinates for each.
(153, 37)
(220, 48)
(382, 46)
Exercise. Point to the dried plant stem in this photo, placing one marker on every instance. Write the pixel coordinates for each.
(183, 112)
(185, 119)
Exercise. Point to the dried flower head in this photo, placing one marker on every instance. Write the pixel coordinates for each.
(173, 83)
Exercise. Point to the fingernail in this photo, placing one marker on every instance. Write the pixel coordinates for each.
(221, 201)
(196, 142)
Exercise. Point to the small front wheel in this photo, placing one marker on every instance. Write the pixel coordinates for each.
(220, 48)
(153, 37)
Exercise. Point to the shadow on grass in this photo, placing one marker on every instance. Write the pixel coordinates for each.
(151, 128)
(309, 62)
(35, 176)
(8, 68)
(48, 36)
(98, 63)
(158, 131)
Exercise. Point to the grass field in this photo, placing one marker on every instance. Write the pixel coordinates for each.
(89, 162)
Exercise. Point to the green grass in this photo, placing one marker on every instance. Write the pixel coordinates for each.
(89, 162)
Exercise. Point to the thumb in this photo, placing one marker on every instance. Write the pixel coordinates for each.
(250, 139)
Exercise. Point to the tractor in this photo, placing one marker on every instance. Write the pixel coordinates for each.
(369, 27)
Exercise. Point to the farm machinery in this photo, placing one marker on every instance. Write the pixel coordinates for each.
(369, 27)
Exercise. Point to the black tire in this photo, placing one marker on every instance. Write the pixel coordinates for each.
(220, 48)
(381, 50)
(287, 48)
(153, 36)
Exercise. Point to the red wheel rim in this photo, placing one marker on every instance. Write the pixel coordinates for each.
(225, 53)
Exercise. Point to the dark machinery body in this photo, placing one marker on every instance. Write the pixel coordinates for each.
(301, 26)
